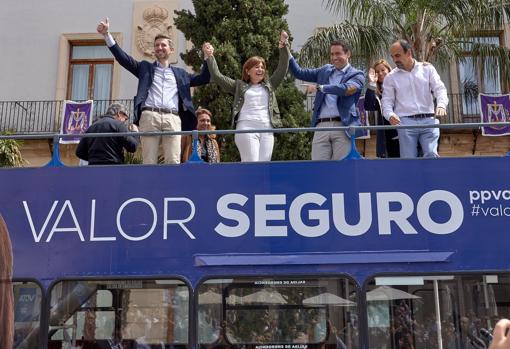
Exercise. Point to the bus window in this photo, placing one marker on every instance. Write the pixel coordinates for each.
(408, 311)
(27, 314)
(119, 314)
(277, 313)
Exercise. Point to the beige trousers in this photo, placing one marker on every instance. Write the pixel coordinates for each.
(154, 121)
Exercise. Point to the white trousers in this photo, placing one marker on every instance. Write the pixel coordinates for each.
(254, 146)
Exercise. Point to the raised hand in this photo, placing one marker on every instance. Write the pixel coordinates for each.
(372, 76)
(103, 27)
(207, 50)
(284, 39)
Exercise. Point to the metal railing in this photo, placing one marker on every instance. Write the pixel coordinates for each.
(462, 108)
(26, 117)
(354, 154)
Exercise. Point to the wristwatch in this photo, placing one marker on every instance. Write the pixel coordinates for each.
(319, 87)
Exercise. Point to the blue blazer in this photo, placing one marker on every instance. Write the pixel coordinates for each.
(346, 104)
(144, 71)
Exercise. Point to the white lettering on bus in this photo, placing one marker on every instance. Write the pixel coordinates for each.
(398, 213)
(365, 215)
(321, 216)
(222, 206)
(93, 226)
(67, 210)
(456, 217)
(261, 227)
(385, 216)
(154, 219)
(309, 215)
(179, 222)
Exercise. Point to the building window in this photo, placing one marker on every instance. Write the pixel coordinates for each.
(90, 71)
(474, 81)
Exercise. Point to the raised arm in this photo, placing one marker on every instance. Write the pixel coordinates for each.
(283, 61)
(201, 79)
(225, 83)
(125, 60)
(306, 74)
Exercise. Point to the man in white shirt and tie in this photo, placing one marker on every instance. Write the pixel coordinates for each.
(408, 99)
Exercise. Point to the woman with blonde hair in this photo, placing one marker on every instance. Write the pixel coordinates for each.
(387, 140)
(207, 149)
(255, 105)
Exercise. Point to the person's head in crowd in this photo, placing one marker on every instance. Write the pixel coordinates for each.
(340, 53)
(254, 70)
(118, 111)
(381, 68)
(204, 120)
(402, 54)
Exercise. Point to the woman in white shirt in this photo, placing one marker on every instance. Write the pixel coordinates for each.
(255, 105)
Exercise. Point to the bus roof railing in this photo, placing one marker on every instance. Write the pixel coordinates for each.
(354, 154)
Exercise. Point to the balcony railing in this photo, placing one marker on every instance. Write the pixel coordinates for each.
(461, 108)
(42, 116)
(24, 117)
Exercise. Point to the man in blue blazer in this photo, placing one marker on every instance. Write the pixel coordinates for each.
(163, 99)
(338, 87)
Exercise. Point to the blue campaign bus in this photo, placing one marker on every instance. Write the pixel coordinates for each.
(284, 255)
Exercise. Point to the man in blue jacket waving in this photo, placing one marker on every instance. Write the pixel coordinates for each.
(163, 99)
(338, 87)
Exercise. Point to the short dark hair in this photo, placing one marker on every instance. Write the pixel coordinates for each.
(345, 45)
(164, 36)
(406, 46)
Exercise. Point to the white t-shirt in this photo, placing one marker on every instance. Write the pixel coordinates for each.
(256, 104)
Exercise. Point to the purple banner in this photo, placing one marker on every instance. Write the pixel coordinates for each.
(76, 118)
(495, 108)
(363, 118)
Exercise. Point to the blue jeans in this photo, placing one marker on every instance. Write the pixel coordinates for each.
(409, 138)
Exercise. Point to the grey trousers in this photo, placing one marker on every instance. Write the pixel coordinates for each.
(330, 145)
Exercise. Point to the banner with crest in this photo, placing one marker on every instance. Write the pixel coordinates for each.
(495, 108)
(76, 118)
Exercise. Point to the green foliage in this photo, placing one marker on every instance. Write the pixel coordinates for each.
(10, 155)
(239, 29)
(438, 30)
(132, 158)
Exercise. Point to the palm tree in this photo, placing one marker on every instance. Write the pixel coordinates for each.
(439, 31)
